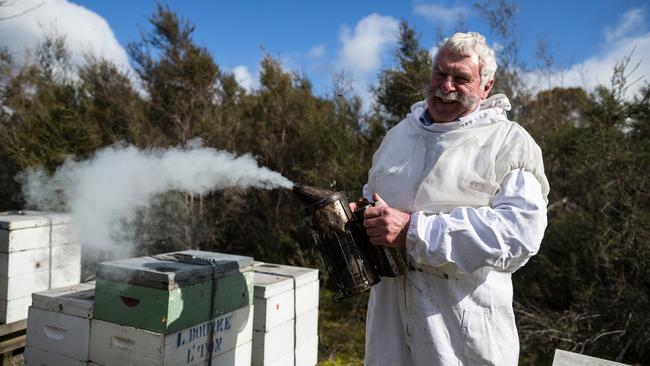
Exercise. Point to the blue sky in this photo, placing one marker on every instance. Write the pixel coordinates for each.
(585, 38)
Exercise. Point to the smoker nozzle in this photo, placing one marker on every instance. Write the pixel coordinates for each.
(314, 196)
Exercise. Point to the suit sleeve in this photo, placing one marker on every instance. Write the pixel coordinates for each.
(503, 235)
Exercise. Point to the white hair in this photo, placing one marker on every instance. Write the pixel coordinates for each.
(470, 44)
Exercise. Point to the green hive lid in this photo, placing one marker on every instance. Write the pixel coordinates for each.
(220, 261)
(172, 269)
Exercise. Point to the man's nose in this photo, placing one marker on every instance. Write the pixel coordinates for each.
(447, 85)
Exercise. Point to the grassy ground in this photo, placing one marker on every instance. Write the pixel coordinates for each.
(341, 329)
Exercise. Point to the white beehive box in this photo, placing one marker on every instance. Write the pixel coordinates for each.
(59, 323)
(307, 353)
(275, 345)
(305, 283)
(39, 260)
(306, 289)
(38, 357)
(273, 299)
(113, 344)
(14, 310)
(239, 356)
(38, 251)
(307, 338)
(27, 230)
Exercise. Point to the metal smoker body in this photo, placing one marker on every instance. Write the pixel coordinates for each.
(353, 263)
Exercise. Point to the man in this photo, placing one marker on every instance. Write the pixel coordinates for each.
(462, 189)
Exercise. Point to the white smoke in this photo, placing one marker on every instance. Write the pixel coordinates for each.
(104, 192)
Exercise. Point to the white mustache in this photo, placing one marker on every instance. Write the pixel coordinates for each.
(465, 100)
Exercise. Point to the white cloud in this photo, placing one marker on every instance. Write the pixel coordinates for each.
(364, 48)
(620, 42)
(85, 32)
(316, 52)
(633, 21)
(439, 14)
(244, 78)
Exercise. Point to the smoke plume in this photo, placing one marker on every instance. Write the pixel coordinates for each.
(104, 192)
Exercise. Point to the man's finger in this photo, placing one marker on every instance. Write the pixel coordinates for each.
(373, 222)
(378, 200)
(353, 206)
(372, 212)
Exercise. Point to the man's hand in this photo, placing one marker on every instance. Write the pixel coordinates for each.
(386, 225)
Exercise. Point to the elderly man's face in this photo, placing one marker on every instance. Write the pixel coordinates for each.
(455, 88)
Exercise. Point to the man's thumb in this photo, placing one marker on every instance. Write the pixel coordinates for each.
(378, 200)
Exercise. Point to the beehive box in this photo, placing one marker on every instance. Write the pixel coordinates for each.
(273, 333)
(38, 251)
(273, 299)
(305, 282)
(167, 293)
(58, 326)
(307, 338)
(113, 344)
(305, 320)
(26, 230)
(275, 346)
(38, 357)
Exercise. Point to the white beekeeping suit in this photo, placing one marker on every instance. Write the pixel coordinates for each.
(477, 195)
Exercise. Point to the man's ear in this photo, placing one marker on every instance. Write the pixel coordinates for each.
(486, 89)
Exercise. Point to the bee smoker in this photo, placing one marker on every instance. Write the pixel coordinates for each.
(353, 263)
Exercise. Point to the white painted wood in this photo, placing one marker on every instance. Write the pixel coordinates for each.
(33, 229)
(240, 356)
(35, 260)
(270, 346)
(38, 357)
(26, 219)
(566, 358)
(37, 237)
(25, 284)
(28, 261)
(269, 285)
(306, 327)
(58, 333)
(76, 300)
(272, 307)
(307, 353)
(307, 297)
(112, 344)
(306, 283)
(284, 360)
(14, 310)
(301, 275)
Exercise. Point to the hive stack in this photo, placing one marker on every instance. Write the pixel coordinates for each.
(180, 308)
(58, 326)
(281, 336)
(38, 251)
